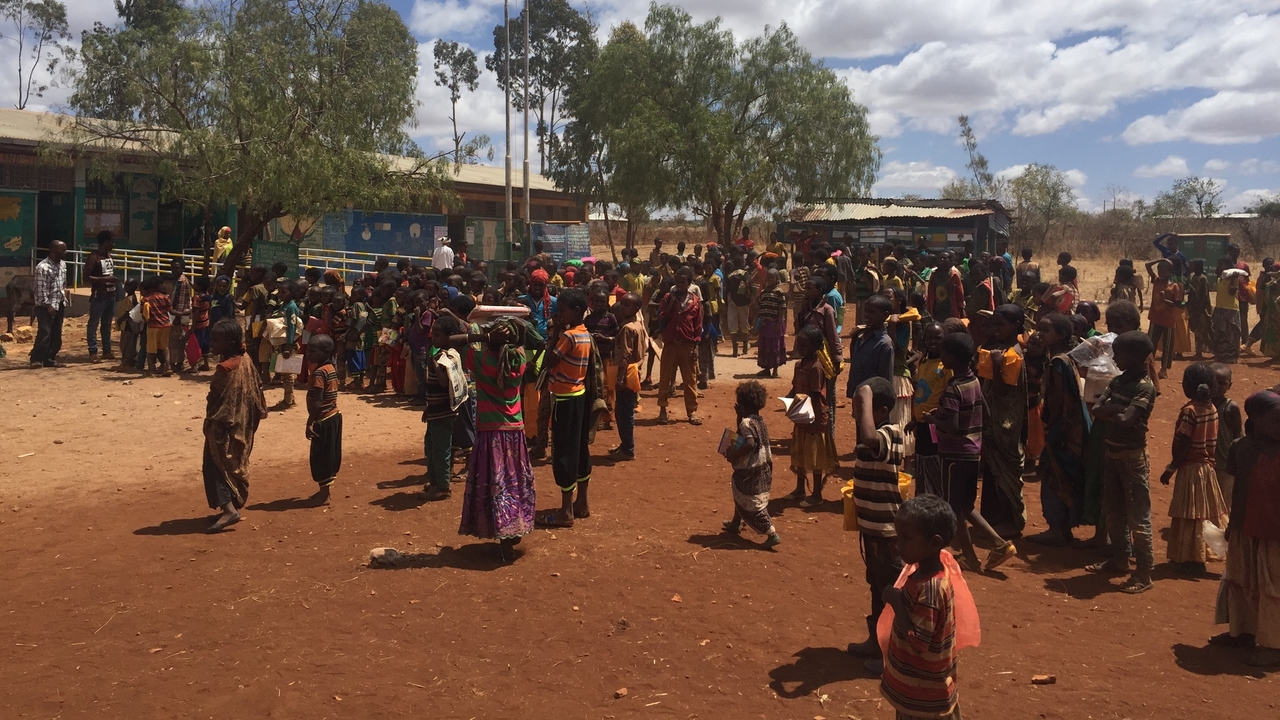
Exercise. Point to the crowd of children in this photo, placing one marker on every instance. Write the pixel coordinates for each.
(968, 377)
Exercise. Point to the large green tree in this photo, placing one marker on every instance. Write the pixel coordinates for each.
(1189, 197)
(284, 107)
(724, 129)
(562, 44)
(606, 153)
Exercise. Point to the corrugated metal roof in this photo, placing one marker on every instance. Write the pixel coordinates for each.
(876, 211)
(30, 127)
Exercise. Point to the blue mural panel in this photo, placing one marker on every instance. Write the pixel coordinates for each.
(382, 233)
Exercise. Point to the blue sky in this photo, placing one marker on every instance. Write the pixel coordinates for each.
(1126, 94)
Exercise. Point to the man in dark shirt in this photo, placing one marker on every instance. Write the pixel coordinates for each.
(100, 269)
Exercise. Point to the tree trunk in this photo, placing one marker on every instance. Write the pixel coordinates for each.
(208, 243)
(608, 232)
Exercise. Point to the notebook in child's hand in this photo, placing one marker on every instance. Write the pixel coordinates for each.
(730, 440)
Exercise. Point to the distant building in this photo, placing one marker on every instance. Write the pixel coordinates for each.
(883, 223)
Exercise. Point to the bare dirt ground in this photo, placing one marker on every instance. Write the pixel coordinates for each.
(116, 605)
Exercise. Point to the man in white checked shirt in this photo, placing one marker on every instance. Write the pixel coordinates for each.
(51, 306)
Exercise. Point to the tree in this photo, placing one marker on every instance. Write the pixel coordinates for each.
(1041, 195)
(723, 129)
(456, 70)
(299, 126)
(103, 88)
(562, 44)
(606, 153)
(1190, 197)
(984, 185)
(1267, 207)
(39, 26)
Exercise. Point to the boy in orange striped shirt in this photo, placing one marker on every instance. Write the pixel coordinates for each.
(569, 361)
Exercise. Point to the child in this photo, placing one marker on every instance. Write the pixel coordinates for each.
(338, 319)
(1230, 428)
(155, 309)
(1036, 361)
(1063, 296)
(958, 423)
(752, 462)
(1066, 426)
(1004, 389)
(931, 380)
(128, 328)
(569, 362)
(628, 352)
(876, 495)
(1248, 599)
(1088, 310)
(1199, 308)
(440, 414)
(603, 326)
(499, 501)
(1126, 405)
(286, 311)
(1122, 317)
(812, 447)
(1226, 313)
(1166, 299)
(357, 325)
(234, 408)
(221, 305)
(201, 302)
(324, 422)
(1196, 496)
(772, 323)
(931, 622)
(1123, 288)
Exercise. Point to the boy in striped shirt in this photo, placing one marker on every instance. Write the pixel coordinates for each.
(919, 678)
(569, 361)
(877, 461)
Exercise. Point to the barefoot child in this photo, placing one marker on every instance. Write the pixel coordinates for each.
(812, 447)
(570, 414)
(324, 422)
(958, 424)
(752, 465)
(876, 495)
(233, 410)
(1126, 405)
(1196, 496)
(155, 309)
(929, 626)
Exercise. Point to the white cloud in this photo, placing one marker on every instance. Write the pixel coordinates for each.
(915, 175)
(1216, 166)
(1254, 166)
(1227, 117)
(1172, 166)
(443, 18)
(1247, 198)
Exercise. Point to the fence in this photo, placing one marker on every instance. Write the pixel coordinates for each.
(138, 264)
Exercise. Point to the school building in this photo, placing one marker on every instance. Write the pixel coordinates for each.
(43, 200)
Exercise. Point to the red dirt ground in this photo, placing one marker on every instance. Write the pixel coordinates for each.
(116, 605)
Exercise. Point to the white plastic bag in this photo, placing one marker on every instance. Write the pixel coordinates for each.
(799, 409)
(1215, 538)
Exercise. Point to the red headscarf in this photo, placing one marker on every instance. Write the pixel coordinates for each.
(541, 276)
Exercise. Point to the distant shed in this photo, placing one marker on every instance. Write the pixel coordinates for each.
(884, 222)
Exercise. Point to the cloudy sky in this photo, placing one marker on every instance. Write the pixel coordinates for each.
(1122, 94)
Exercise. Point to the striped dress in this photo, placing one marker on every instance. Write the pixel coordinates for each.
(499, 501)
(920, 663)
(1196, 496)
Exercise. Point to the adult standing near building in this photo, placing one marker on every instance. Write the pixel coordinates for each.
(180, 308)
(51, 306)
(100, 269)
(442, 258)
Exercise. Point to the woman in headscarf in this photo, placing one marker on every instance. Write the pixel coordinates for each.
(222, 245)
(1249, 596)
(234, 408)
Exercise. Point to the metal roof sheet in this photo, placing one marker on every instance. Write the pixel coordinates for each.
(876, 211)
